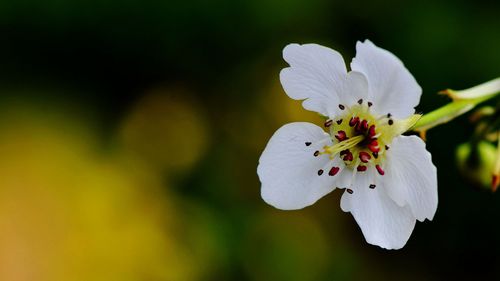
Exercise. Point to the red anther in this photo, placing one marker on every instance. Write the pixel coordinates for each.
(328, 123)
(333, 171)
(344, 152)
(354, 121)
(373, 146)
(350, 191)
(364, 125)
(348, 156)
(371, 131)
(379, 170)
(361, 168)
(341, 136)
(364, 156)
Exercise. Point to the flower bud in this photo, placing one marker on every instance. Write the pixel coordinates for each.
(477, 162)
(476, 92)
(482, 113)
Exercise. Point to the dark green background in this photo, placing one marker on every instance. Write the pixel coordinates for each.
(96, 60)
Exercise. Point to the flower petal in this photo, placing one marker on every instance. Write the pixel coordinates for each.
(354, 88)
(392, 87)
(316, 75)
(410, 177)
(288, 169)
(381, 220)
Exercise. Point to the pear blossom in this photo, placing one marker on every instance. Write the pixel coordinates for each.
(389, 180)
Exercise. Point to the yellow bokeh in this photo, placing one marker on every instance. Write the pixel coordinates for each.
(70, 212)
(166, 129)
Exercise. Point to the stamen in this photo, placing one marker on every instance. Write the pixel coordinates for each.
(364, 125)
(386, 147)
(364, 157)
(354, 121)
(379, 170)
(320, 172)
(316, 153)
(341, 107)
(372, 186)
(333, 171)
(389, 115)
(358, 127)
(375, 155)
(360, 101)
(349, 191)
(348, 156)
(341, 136)
(391, 122)
(339, 121)
(328, 123)
(373, 146)
(323, 141)
(361, 168)
(371, 131)
(370, 104)
(308, 143)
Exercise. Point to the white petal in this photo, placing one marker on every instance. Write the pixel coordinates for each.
(381, 220)
(410, 176)
(392, 87)
(316, 75)
(288, 169)
(354, 88)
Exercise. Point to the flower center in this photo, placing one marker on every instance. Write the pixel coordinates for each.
(359, 138)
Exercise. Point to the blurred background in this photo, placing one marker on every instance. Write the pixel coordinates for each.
(130, 133)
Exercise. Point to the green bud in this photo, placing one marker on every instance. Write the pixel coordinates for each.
(482, 113)
(477, 92)
(477, 163)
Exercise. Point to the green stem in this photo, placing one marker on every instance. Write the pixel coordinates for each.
(447, 113)
(463, 101)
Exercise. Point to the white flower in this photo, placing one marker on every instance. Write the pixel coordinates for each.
(389, 179)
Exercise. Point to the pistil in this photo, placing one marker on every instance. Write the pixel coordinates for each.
(343, 145)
